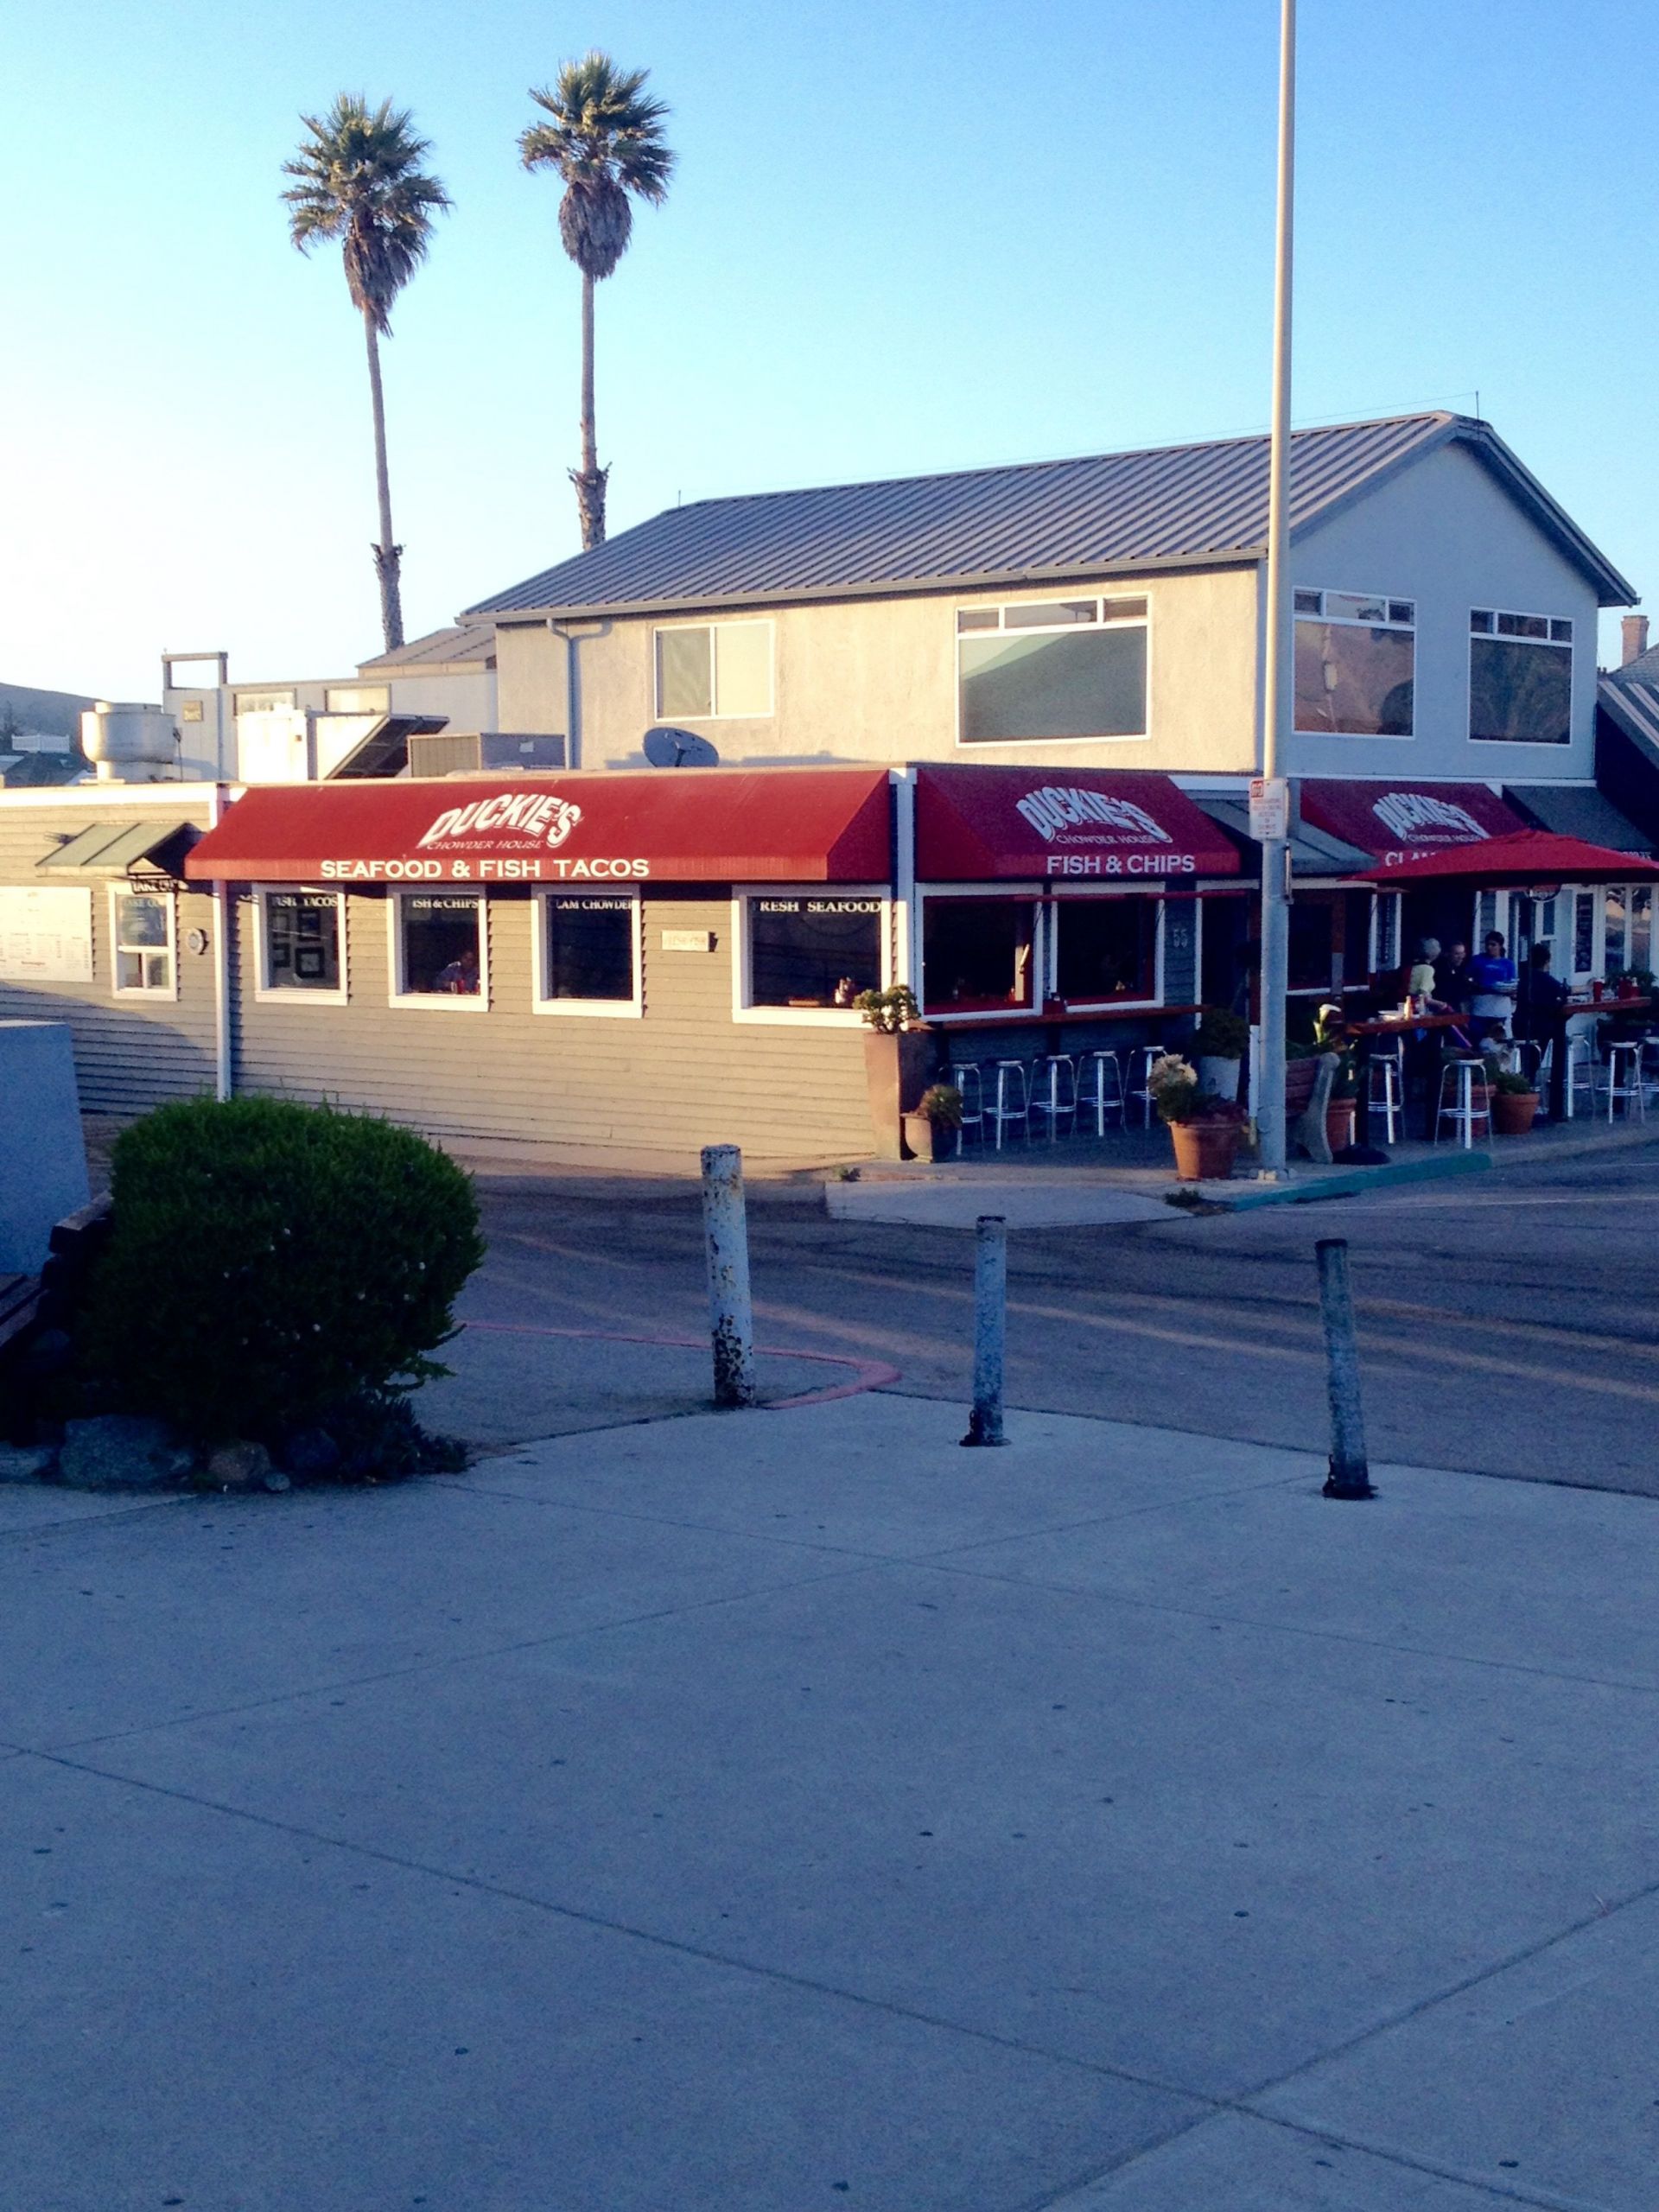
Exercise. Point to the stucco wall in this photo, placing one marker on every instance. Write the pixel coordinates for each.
(1443, 533)
(876, 680)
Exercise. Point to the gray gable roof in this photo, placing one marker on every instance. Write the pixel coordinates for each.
(1175, 506)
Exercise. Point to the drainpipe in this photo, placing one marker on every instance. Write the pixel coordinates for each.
(222, 1081)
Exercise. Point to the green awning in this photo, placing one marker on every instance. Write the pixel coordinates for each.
(124, 848)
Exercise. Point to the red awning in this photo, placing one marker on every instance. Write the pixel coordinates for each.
(974, 825)
(1530, 856)
(698, 825)
(1402, 822)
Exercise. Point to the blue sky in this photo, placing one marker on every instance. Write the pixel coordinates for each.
(904, 236)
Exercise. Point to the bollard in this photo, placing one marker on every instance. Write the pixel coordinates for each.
(990, 1322)
(731, 1322)
(1349, 1475)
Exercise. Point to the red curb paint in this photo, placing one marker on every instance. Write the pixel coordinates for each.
(870, 1374)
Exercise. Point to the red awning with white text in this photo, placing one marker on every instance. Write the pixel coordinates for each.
(691, 825)
(1402, 822)
(976, 824)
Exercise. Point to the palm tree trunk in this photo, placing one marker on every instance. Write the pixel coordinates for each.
(387, 556)
(589, 479)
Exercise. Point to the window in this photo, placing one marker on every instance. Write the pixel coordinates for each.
(440, 950)
(714, 671)
(357, 699)
(588, 953)
(1520, 678)
(1106, 948)
(979, 955)
(264, 702)
(142, 933)
(1356, 659)
(1613, 912)
(1063, 668)
(1641, 951)
(301, 940)
(813, 951)
(1313, 945)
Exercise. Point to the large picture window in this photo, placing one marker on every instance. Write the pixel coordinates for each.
(439, 952)
(814, 949)
(1106, 949)
(588, 953)
(714, 671)
(979, 955)
(1520, 678)
(142, 933)
(1356, 664)
(1063, 668)
(301, 953)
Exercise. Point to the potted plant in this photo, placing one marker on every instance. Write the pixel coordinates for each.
(1219, 1046)
(898, 1059)
(1204, 1130)
(1301, 1068)
(1514, 1103)
(932, 1120)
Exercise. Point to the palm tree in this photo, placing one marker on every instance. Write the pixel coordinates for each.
(606, 141)
(358, 178)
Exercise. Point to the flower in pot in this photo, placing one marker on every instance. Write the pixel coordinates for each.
(1219, 1045)
(1204, 1130)
(934, 1119)
(898, 1059)
(1514, 1102)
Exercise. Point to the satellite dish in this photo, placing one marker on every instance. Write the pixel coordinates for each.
(679, 748)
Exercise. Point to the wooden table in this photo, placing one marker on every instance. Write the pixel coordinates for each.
(1391, 1024)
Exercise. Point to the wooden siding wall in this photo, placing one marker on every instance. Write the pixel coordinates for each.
(131, 1053)
(683, 1075)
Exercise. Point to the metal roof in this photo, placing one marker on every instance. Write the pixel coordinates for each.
(465, 641)
(1635, 707)
(1581, 811)
(1312, 851)
(122, 848)
(1174, 507)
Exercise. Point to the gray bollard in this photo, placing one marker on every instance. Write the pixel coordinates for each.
(731, 1321)
(1350, 1477)
(990, 1326)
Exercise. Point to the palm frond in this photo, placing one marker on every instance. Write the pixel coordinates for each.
(606, 141)
(358, 179)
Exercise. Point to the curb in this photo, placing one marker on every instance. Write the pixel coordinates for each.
(1240, 1198)
(867, 1374)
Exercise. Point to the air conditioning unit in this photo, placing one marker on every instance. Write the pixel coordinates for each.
(461, 753)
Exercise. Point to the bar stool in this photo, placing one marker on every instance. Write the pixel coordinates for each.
(1386, 1093)
(1625, 1079)
(1140, 1086)
(1101, 1086)
(1054, 1091)
(1458, 1076)
(966, 1078)
(1580, 1075)
(1010, 1101)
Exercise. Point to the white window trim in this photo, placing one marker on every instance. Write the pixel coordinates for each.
(1059, 899)
(978, 748)
(1353, 622)
(435, 1001)
(629, 1009)
(1567, 646)
(802, 1017)
(296, 994)
(125, 889)
(661, 713)
(1004, 887)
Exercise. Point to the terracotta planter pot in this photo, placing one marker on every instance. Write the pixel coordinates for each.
(1204, 1151)
(927, 1138)
(1513, 1112)
(1300, 1076)
(1339, 1123)
(898, 1066)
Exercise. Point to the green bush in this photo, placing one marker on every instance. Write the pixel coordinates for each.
(270, 1262)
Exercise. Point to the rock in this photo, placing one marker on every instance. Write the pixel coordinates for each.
(275, 1480)
(237, 1466)
(308, 1452)
(121, 1451)
(24, 1462)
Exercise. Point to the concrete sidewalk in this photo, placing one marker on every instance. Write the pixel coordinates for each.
(756, 1812)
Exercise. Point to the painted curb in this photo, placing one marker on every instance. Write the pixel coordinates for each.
(1344, 1185)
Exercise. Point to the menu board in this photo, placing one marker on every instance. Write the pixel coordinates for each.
(46, 935)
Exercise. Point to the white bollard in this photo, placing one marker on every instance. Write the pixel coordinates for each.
(731, 1320)
(1350, 1477)
(990, 1328)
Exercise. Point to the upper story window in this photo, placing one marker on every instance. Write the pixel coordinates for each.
(1356, 664)
(1520, 678)
(714, 671)
(264, 702)
(1059, 668)
(357, 699)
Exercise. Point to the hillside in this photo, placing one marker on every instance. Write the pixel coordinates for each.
(23, 708)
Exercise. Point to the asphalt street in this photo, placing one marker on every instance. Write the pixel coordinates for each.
(1507, 1322)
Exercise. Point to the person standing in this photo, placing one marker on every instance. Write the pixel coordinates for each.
(1492, 973)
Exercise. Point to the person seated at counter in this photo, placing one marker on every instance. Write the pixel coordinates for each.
(460, 977)
(1492, 973)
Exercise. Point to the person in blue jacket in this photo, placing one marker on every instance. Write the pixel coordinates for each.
(1492, 973)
